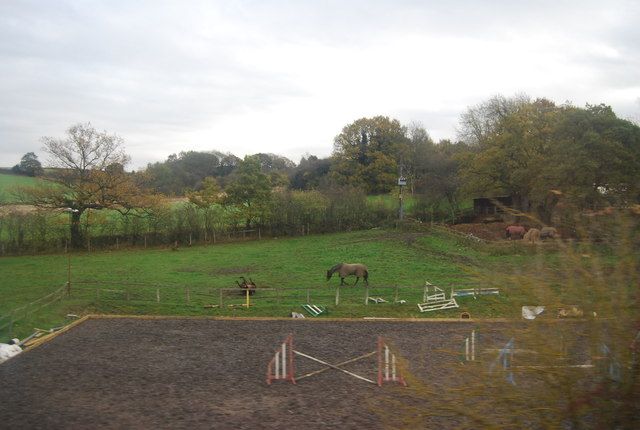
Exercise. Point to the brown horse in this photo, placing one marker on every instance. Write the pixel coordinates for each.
(345, 269)
(514, 232)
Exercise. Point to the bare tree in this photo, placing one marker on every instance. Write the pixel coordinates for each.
(89, 174)
(481, 120)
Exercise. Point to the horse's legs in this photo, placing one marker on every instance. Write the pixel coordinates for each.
(357, 279)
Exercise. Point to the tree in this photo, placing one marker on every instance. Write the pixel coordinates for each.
(367, 153)
(276, 167)
(29, 165)
(185, 170)
(206, 200)
(480, 122)
(437, 176)
(249, 190)
(597, 158)
(539, 151)
(309, 173)
(89, 174)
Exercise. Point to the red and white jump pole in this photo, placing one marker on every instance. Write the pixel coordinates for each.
(387, 370)
(281, 365)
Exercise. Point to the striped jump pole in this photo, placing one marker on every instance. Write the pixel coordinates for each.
(387, 370)
(281, 365)
(470, 353)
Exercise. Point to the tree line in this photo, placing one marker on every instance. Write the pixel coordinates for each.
(543, 155)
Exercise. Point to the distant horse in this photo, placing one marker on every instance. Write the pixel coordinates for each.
(533, 235)
(548, 233)
(514, 232)
(345, 269)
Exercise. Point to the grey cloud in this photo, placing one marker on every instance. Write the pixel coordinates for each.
(155, 69)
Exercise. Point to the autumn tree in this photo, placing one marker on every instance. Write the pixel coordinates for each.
(539, 151)
(249, 190)
(89, 174)
(207, 199)
(367, 152)
(596, 160)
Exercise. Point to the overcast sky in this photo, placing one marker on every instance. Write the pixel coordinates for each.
(286, 76)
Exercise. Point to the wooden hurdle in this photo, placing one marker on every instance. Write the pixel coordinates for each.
(387, 370)
(281, 365)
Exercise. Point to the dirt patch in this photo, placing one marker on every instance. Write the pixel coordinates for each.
(489, 231)
(196, 373)
(17, 209)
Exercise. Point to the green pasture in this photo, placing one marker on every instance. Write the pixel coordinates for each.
(287, 272)
(391, 201)
(9, 181)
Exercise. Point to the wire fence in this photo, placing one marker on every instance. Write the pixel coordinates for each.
(267, 296)
(28, 311)
(142, 297)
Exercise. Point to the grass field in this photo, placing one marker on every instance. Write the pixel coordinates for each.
(395, 259)
(8, 181)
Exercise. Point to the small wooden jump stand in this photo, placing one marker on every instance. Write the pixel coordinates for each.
(282, 366)
(436, 301)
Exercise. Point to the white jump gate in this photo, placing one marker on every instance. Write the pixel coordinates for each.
(282, 365)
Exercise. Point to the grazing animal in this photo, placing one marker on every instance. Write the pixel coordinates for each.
(533, 235)
(548, 233)
(514, 232)
(345, 269)
(247, 286)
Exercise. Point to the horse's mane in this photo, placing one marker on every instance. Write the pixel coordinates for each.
(336, 267)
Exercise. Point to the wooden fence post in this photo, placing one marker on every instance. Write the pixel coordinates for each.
(366, 295)
(69, 275)
(158, 295)
(337, 295)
